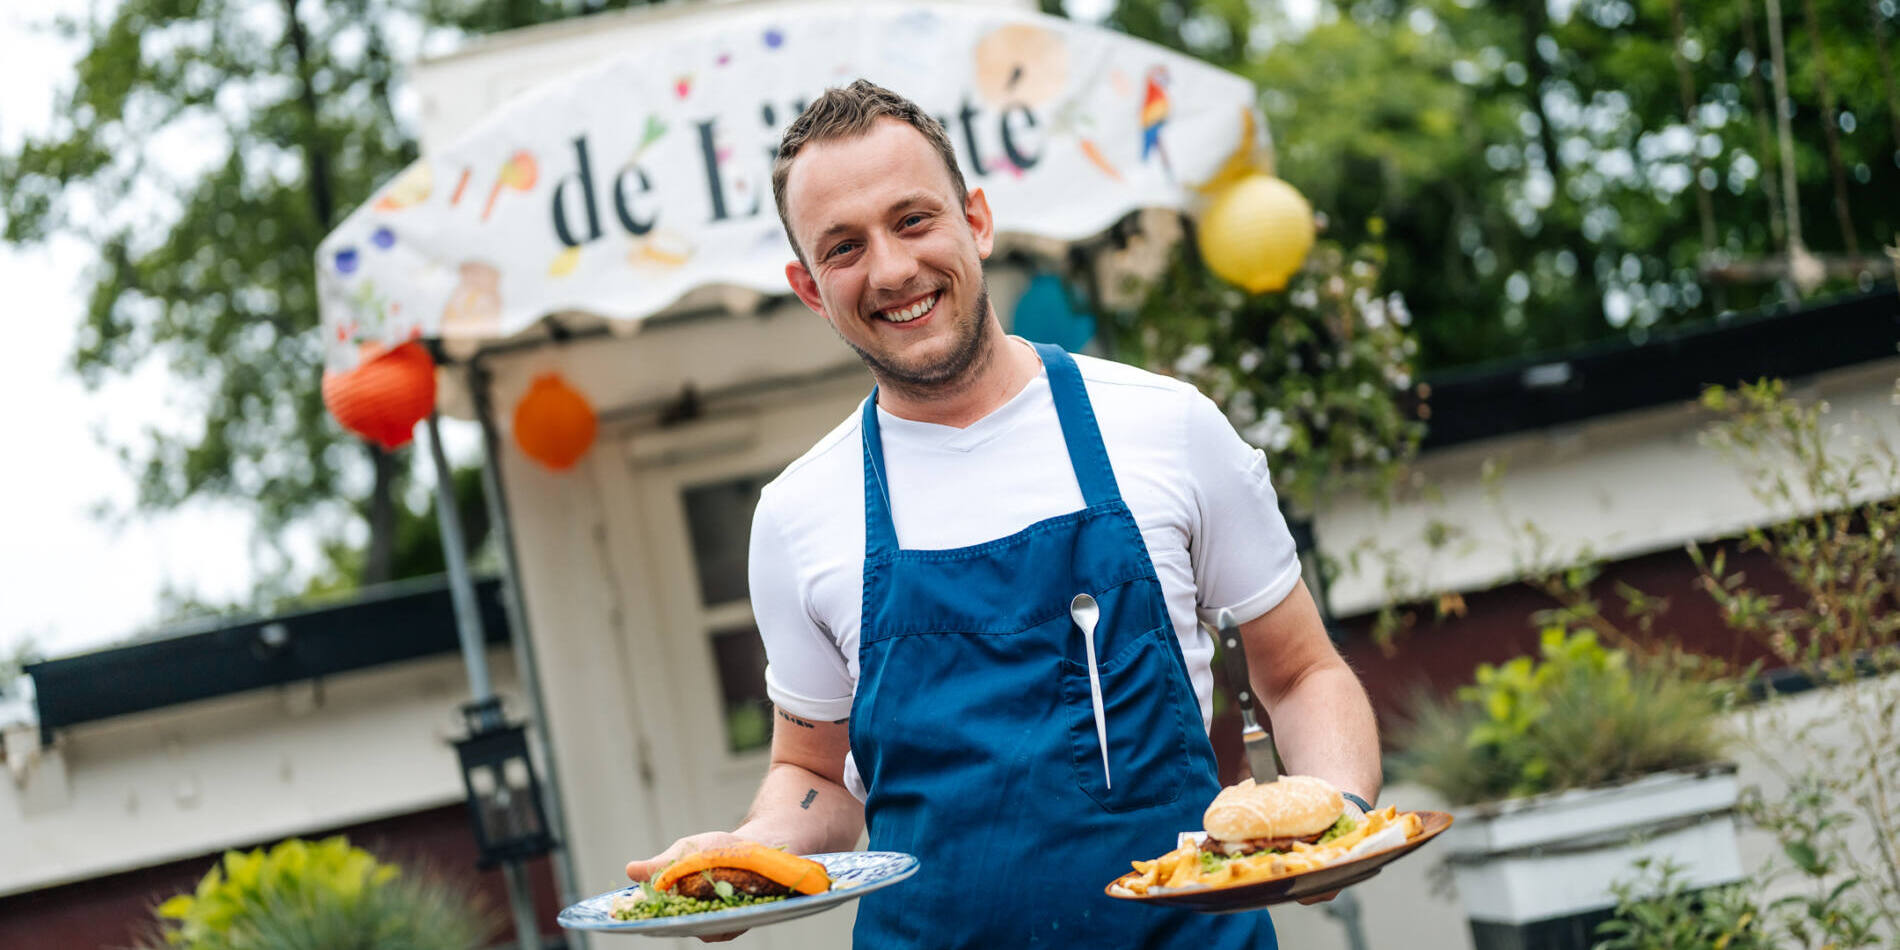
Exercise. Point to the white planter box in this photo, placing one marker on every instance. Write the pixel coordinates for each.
(1532, 859)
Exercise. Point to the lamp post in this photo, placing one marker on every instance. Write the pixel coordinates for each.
(526, 666)
(504, 805)
(504, 797)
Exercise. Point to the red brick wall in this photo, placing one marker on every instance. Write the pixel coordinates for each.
(1496, 626)
(1439, 656)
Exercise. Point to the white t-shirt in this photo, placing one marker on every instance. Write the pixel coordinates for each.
(1201, 496)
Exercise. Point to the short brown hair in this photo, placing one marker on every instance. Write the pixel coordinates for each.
(848, 112)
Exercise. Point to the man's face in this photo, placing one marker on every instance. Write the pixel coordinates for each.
(895, 262)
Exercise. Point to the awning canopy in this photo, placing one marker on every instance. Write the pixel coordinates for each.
(619, 188)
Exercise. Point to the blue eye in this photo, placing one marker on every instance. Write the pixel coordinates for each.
(838, 249)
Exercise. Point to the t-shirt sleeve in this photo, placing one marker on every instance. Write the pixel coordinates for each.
(805, 675)
(1244, 558)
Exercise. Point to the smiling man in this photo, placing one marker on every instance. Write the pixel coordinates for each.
(897, 268)
(912, 576)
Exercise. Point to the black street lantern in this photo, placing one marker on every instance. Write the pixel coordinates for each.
(504, 798)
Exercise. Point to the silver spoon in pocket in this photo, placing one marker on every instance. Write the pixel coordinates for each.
(1085, 612)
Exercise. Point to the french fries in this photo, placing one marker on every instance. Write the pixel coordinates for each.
(1182, 866)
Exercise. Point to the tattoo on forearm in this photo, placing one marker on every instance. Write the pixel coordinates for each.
(794, 720)
(811, 795)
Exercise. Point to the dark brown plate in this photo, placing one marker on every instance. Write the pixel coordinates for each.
(1257, 894)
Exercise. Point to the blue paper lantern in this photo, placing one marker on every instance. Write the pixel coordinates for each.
(1044, 315)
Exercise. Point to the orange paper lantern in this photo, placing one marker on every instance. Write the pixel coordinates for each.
(554, 425)
(383, 399)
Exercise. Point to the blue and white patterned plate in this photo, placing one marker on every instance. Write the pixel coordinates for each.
(853, 874)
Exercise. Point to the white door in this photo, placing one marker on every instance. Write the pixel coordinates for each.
(699, 482)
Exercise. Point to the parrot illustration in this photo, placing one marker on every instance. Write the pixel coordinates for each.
(1154, 115)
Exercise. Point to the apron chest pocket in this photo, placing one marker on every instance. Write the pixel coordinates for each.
(1143, 694)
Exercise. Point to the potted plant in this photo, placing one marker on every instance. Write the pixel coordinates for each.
(1564, 770)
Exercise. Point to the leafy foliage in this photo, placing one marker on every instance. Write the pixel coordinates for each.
(1825, 896)
(284, 122)
(416, 545)
(1659, 911)
(1314, 375)
(1832, 903)
(1537, 177)
(1831, 804)
(1580, 715)
(1529, 171)
(275, 119)
(323, 895)
(1837, 812)
(13, 661)
(1838, 544)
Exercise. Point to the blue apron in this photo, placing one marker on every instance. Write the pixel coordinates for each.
(974, 731)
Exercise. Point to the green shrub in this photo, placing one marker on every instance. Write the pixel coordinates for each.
(1659, 911)
(323, 895)
(1581, 715)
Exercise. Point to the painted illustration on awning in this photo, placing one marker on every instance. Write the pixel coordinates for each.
(618, 188)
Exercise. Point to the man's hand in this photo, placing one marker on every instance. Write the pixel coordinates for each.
(802, 805)
(1356, 814)
(644, 870)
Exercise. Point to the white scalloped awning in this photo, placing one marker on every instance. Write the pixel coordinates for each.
(618, 189)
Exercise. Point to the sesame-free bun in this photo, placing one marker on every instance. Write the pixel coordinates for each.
(1293, 807)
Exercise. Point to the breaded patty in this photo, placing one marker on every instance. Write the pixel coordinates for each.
(700, 885)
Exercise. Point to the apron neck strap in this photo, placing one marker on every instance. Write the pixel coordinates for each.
(1087, 456)
(880, 532)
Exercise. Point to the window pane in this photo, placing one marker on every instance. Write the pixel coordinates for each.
(740, 659)
(719, 517)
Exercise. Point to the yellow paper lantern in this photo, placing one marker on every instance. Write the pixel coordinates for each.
(1256, 233)
(554, 425)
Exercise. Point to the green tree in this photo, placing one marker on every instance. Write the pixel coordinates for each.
(417, 546)
(1314, 376)
(286, 113)
(1552, 174)
(13, 661)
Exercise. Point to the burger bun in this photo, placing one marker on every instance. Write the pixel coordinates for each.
(1295, 806)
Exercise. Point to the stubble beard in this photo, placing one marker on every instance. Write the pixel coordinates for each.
(954, 370)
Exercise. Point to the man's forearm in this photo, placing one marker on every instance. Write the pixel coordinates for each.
(1322, 720)
(1324, 726)
(804, 812)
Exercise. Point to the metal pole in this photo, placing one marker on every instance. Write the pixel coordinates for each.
(1345, 909)
(521, 901)
(468, 619)
(525, 660)
(468, 628)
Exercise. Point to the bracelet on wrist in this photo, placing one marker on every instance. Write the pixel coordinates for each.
(1364, 805)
